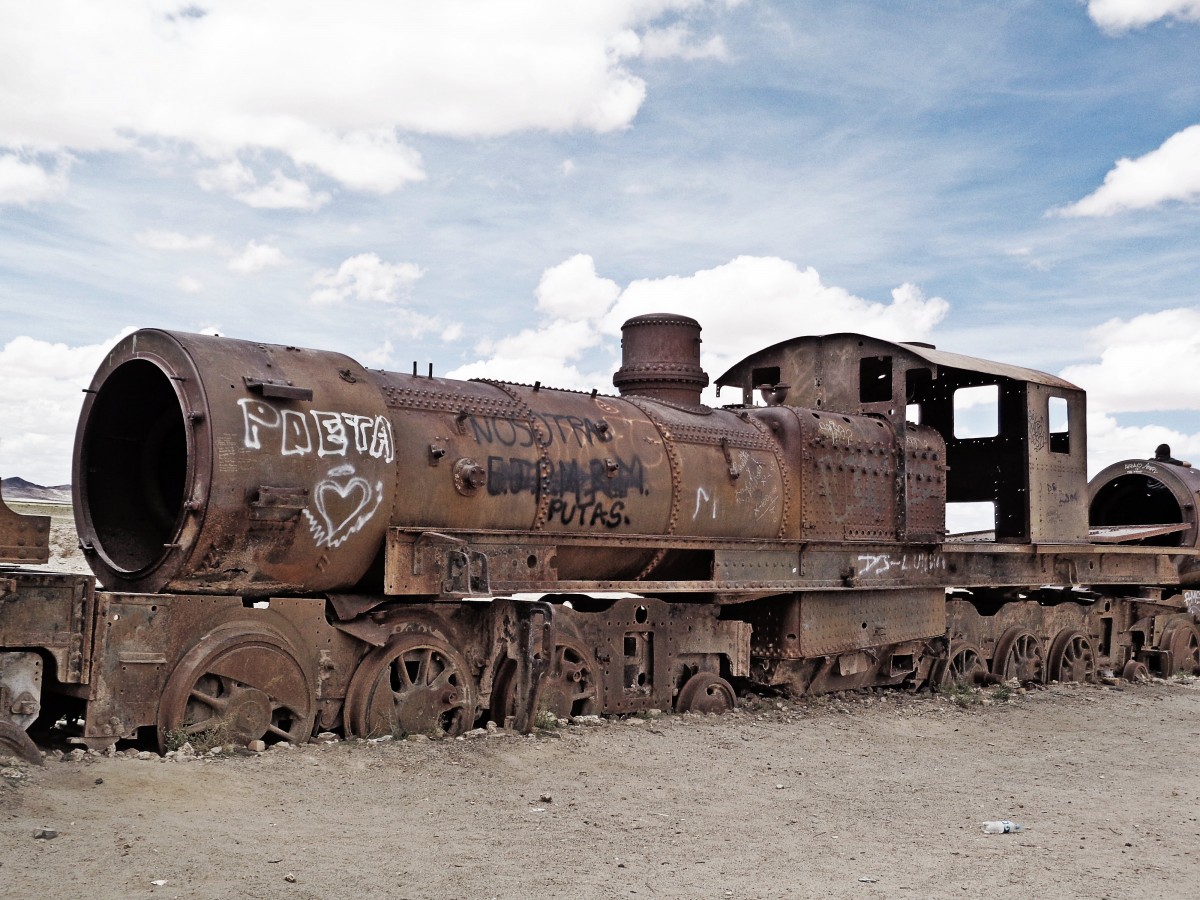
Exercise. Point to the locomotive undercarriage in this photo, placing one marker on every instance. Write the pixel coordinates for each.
(174, 667)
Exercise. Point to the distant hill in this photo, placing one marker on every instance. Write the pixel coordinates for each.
(20, 489)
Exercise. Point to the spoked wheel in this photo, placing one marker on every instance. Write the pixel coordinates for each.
(1182, 641)
(705, 692)
(1019, 655)
(15, 742)
(1071, 657)
(570, 687)
(964, 664)
(415, 684)
(240, 683)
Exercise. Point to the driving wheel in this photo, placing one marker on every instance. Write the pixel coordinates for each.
(415, 684)
(963, 664)
(1071, 657)
(1019, 655)
(240, 683)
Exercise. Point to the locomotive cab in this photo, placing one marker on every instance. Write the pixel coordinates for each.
(1014, 438)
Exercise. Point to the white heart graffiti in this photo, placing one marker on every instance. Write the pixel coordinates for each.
(344, 503)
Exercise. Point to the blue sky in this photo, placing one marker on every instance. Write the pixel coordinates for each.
(495, 186)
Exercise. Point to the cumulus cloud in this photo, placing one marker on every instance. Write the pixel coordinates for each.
(1115, 16)
(256, 257)
(736, 304)
(23, 182)
(365, 279)
(1172, 172)
(41, 393)
(1149, 363)
(244, 86)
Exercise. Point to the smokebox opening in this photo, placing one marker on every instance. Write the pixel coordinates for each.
(1138, 499)
(135, 462)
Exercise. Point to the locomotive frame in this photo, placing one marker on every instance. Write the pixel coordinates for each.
(419, 554)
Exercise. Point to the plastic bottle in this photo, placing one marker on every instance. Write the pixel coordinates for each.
(1004, 826)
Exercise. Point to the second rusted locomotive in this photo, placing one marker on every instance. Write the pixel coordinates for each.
(288, 541)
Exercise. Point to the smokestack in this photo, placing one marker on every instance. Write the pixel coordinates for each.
(660, 359)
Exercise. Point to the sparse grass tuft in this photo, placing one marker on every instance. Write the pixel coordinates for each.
(546, 720)
(201, 741)
(963, 693)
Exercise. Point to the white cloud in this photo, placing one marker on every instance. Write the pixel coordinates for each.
(742, 306)
(365, 278)
(190, 285)
(246, 84)
(256, 257)
(23, 182)
(173, 240)
(676, 41)
(282, 192)
(41, 393)
(1122, 15)
(1149, 363)
(572, 290)
(1172, 172)
(749, 297)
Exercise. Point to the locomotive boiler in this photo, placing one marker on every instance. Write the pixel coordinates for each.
(286, 541)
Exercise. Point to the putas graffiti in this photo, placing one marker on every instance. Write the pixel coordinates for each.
(336, 433)
(344, 502)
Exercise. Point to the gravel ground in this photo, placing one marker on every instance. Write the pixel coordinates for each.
(863, 796)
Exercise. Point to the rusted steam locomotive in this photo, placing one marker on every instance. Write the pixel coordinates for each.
(289, 542)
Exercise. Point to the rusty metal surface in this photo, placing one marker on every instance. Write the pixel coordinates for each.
(23, 539)
(52, 612)
(20, 687)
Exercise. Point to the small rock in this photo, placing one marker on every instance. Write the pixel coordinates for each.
(327, 737)
(55, 754)
(282, 745)
(868, 879)
(215, 751)
(45, 833)
(257, 746)
(417, 738)
(290, 878)
(99, 781)
(77, 754)
(159, 882)
(145, 754)
(379, 740)
(546, 798)
(635, 721)
(779, 787)
(131, 753)
(587, 720)
(654, 713)
(491, 726)
(475, 733)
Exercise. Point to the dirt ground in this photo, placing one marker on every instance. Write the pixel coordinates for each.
(878, 795)
(864, 796)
